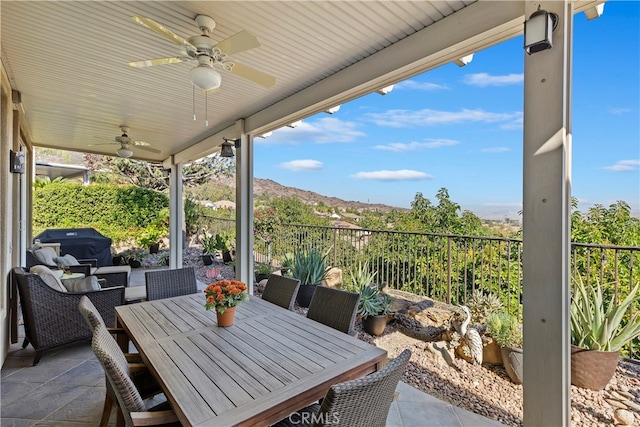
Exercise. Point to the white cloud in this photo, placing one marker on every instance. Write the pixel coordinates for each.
(617, 111)
(414, 85)
(624, 166)
(302, 165)
(516, 205)
(495, 150)
(484, 79)
(399, 175)
(427, 117)
(415, 145)
(322, 131)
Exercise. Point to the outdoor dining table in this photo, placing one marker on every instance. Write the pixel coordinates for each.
(268, 364)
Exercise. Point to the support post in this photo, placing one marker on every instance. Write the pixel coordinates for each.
(244, 210)
(546, 225)
(176, 214)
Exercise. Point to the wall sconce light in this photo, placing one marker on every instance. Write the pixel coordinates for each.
(538, 29)
(226, 148)
(166, 173)
(594, 12)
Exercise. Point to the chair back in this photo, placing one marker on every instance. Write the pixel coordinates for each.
(364, 401)
(335, 308)
(116, 369)
(281, 291)
(170, 283)
(90, 314)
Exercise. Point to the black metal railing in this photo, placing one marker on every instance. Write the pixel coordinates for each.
(446, 267)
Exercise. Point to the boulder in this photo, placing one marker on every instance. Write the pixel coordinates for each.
(334, 278)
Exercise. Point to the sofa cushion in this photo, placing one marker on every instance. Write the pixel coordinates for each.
(49, 277)
(66, 260)
(86, 284)
(45, 255)
(113, 269)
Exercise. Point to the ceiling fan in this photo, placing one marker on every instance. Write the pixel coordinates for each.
(203, 49)
(126, 143)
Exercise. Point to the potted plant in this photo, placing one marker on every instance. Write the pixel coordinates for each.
(373, 308)
(482, 305)
(209, 246)
(227, 243)
(598, 333)
(310, 266)
(134, 257)
(287, 263)
(507, 331)
(262, 271)
(223, 296)
(151, 237)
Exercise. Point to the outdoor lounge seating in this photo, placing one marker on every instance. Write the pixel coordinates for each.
(170, 283)
(281, 291)
(113, 275)
(51, 316)
(335, 308)
(361, 402)
(130, 401)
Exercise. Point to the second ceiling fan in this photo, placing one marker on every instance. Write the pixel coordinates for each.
(203, 49)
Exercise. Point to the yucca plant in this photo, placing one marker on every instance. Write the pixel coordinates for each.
(598, 326)
(310, 266)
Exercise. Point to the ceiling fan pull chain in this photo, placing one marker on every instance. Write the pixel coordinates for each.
(206, 109)
(194, 103)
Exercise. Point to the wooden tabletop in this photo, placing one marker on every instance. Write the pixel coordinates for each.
(270, 363)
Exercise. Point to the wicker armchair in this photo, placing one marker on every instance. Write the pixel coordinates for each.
(130, 401)
(170, 283)
(51, 317)
(281, 291)
(335, 308)
(142, 378)
(363, 402)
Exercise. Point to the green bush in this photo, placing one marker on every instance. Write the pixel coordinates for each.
(116, 212)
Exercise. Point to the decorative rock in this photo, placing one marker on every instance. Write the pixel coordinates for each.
(632, 405)
(624, 394)
(616, 403)
(334, 278)
(440, 352)
(261, 284)
(623, 417)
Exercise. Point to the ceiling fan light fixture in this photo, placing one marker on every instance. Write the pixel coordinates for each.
(205, 77)
(124, 152)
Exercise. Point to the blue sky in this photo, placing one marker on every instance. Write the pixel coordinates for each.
(461, 128)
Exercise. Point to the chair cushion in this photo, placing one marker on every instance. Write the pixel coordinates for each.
(113, 269)
(87, 284)
(45, 255)
(135, 293)
(66, 260)
(49, 277)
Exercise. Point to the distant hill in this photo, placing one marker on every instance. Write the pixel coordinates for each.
(273, 189)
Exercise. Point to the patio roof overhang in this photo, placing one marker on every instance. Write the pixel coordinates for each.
(68, 61)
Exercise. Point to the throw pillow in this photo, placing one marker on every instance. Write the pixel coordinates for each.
(66, 260)
(87, 284)
(49, 277)
(45, 255)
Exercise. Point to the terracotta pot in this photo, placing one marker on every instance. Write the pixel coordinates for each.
(512, 359)
(305, 293)
(592, 369)
(374, 325)
(491, 353)
(226, 319)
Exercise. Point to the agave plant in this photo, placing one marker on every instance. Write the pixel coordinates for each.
(361, 275)
(598, 326)
(310, 266)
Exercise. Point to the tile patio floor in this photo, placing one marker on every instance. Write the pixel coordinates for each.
(67, 389)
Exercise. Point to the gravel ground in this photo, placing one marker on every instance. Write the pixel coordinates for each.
(485, 390)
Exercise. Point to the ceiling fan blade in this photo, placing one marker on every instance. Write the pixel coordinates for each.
(142, 147)
(160, 29)
(238, 42)
(158, 61)
(249, 73)
(102, 143)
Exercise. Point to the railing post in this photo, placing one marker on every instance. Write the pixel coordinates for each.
(448, 269)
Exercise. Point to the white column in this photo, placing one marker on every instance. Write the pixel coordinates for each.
(546, 225)
(244, 211)
(176, 213)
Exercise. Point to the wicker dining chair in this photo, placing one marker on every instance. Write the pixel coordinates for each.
(281, 291)
(131, 403)
(363, 402)
(145, 383)
(335, 308)
(170, 283)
